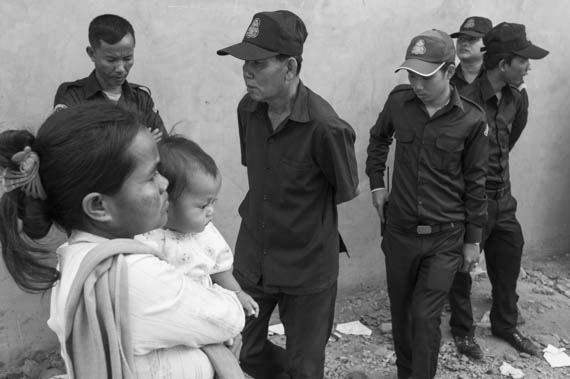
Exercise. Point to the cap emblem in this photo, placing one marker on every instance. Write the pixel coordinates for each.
(253, 30)
(419, 48)
(469, 24)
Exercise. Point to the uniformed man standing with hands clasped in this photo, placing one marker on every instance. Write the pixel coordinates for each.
(437, 204)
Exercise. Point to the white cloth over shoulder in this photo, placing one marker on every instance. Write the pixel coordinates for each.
(197, 255)
(171, 316)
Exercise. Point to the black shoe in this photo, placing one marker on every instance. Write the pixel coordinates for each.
(468, 346)
(520, 342)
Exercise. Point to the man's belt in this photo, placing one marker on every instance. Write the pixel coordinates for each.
(430, 229)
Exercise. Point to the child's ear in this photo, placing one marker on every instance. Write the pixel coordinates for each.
(95, 208)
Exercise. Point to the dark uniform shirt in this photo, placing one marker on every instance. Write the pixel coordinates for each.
(458, 80)
(134, 97)
(288, 240)
(506, 120)
(440, 162)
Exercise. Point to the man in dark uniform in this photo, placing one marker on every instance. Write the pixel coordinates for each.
(468, 45)
(506, 59)
(112, 44)
(437, 205)
(300, 163)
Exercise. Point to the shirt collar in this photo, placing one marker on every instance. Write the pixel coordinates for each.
(92, 87)
(454, 100)
(78, 236)
(300, 110)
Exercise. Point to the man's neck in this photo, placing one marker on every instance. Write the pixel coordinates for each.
(279, 108)
(434, 106)
(106, 87)
(471, 70)
(496, 79)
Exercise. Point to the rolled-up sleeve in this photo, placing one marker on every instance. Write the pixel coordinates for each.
(337, 159)
(168, 309)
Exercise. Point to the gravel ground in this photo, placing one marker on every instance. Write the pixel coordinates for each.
(544, 289)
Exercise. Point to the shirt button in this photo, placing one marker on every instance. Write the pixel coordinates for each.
(420, 203)
(270, 140)
(264, 252)
(265, 197)
(262, 225)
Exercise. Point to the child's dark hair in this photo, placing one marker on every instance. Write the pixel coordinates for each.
(179, 158)
(81, 149)
(109, 28)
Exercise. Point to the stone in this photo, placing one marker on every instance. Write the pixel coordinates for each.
(31, 369)
(547, 339)
(386, 327)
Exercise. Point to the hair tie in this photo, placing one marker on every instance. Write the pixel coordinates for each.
(27, 177)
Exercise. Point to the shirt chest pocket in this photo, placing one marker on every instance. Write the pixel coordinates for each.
(447, 153)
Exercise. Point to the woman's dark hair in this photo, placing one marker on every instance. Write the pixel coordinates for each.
(82, 149)
(180, 158)
(109, 28)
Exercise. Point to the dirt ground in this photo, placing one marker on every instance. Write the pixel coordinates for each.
(544, 290)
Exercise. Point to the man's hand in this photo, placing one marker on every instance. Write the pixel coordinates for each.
(379, 197)
(471, 253)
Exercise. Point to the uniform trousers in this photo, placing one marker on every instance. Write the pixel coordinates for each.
(307, 320)
(419, 270)
(503, 245)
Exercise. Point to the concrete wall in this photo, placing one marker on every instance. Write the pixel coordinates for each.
(351, 52)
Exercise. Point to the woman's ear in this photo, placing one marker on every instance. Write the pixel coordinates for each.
(95, 208)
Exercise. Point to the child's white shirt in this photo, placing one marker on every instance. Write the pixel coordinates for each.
(197, 255)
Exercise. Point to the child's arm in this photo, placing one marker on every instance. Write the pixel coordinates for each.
(226, 279)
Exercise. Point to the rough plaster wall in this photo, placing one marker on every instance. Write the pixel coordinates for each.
(352, 49)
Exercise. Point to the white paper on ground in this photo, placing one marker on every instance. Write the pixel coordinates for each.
(277, 329)
(355, 328)
(508, 370)
(556, 357)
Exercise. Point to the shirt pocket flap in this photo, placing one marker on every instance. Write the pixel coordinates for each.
(451, 145)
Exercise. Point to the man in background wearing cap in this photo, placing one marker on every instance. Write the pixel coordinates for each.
(506, 59)
(111, 48)
(300, 163)
(437, 205)
(468, 46)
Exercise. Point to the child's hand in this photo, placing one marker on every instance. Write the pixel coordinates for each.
(156, 134)
(249, 305)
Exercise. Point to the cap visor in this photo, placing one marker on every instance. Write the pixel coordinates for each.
(532, 52)
(247, 52)
(467, 33)
(422, 68)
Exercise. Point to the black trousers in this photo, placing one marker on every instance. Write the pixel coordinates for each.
(503, 245)
(307, 320)
(419, 272)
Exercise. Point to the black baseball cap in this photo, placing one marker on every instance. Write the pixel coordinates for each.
(474, 26)
(511, 38)
(270, 34)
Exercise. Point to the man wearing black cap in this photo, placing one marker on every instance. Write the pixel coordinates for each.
(437, 205)
(506, 60)
(300, 163)
(469, 43)
(468, 46)
(111, 49)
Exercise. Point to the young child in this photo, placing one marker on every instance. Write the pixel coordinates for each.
(189, 240)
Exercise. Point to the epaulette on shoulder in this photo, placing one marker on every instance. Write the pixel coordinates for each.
(77, 83)
(140, 87)
(401, 88)
(472, 102)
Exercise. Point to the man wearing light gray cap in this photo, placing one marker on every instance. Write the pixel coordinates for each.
(437, 204)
